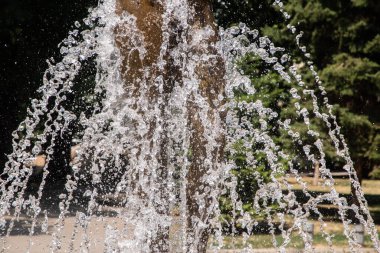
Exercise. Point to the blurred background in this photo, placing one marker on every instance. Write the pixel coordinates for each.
(342, 36)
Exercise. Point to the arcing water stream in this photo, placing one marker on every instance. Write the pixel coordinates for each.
(163, 134)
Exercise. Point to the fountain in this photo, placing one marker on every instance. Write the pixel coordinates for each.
(163, 135)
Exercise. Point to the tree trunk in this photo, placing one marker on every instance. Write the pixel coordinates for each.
(358, 166)
(149, 21)
(316, 173)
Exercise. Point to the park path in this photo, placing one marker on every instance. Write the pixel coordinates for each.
(18, 242)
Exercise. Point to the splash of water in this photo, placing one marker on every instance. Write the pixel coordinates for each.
(159, 131)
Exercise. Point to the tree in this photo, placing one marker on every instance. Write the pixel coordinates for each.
(344, 46)
(344, 43)
(353, 86)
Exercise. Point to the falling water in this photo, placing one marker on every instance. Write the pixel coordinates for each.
(165, 126)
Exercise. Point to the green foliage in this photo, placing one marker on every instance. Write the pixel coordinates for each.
(353, 82)
(254, 13)
(374, 151)
(333, 27)
(353, 86)
(373, 46)
(375, 174)
(343, 38)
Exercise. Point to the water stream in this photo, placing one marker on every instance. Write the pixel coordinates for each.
(161, 139)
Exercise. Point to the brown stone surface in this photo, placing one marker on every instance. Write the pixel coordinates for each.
(19, 241)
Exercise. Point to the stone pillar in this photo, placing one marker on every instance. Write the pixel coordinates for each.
(148, 15)
(359, 234)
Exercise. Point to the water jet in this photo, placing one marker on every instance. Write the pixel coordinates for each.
(164, 137)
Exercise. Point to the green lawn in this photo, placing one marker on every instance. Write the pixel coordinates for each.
(371, 190)
(265, 241)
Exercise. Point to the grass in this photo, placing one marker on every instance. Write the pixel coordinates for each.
(371, 189)
(266, 241)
